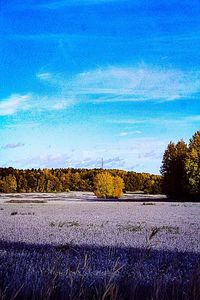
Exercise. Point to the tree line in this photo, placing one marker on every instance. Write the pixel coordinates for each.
(181, 168)
(62, 180)
(180, 176)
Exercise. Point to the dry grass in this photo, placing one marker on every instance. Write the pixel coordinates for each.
(69, 272)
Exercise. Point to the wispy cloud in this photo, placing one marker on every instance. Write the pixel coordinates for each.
(195, 118)
(44, 161)
(137, 84)
(123, 133)
(121, 84)
(139, 154)
(127, 121)
(112, 84)
(13, 146)
(156, 121)
(66, 161)
(13, 104)
(44, 76)
(128, 133)
(33, 102)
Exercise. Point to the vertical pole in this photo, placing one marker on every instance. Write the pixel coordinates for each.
(102, 163)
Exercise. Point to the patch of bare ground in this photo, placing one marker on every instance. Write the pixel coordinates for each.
(26, 201)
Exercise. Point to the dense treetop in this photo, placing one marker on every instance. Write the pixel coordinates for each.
(62, 180)
(181, 168)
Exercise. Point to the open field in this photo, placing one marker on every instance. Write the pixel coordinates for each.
(72, 246)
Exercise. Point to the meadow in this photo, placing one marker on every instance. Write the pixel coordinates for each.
(75, 246)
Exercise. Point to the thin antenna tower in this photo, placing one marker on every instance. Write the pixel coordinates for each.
(102, 163)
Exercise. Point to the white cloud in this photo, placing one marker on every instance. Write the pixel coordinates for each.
(127, 121)
(112, 84)
(139, 154)
(44, 76)
(126, 133)
(43, 161)
(136, 84)
(123, 133)
(16, 103)
(13, 104)
(138, 131)
(120, 84)
(66, 161)
(156, 121)
(195, 118)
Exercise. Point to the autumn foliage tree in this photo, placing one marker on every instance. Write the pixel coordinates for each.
(118, 187)
(108, 186)
(62, 180)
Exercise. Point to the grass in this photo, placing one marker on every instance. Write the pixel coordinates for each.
(62, 224)
(65, 247)
(170, 229)
(70, 272)
(130, 227)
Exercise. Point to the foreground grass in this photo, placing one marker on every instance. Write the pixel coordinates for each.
(80, 248)
(72, 272)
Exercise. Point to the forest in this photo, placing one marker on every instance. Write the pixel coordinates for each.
(180, 175)
(63, 180)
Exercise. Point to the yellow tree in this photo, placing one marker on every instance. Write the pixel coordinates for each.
(108, 186)
(118, 187)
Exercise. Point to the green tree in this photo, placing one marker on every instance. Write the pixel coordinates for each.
(32, 181)
(173, 169)
(192, 164)
(133, 181)
(22, 184)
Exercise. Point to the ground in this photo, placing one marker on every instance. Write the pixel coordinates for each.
(142, 234)
(79, 218)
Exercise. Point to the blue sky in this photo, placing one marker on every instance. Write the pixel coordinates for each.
(86, 79)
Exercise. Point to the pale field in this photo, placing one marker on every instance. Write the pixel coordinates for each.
(74, 246)
(80, 218)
